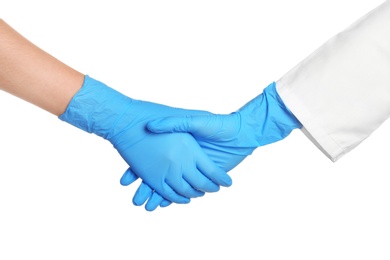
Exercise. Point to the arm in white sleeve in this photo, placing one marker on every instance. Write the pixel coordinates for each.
(341, 92)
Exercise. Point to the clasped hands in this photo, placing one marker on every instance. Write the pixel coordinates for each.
(179, 154)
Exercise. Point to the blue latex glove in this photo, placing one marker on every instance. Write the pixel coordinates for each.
(172, 165)
(227, 139)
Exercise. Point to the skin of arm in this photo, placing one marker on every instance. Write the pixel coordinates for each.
(33, 75)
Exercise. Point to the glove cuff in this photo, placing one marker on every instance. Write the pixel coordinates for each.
(278, 116)
(96, 108)
(270, 117)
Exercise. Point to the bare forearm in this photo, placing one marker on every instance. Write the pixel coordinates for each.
(28, 72)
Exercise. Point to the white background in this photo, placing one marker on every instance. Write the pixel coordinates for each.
(60, 196)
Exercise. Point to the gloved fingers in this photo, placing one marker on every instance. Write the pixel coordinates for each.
(165, 203)
(144, 191)
(183, 188)
(212, 171)
(153, 202)
(145, 194)
(128, 177)
(142, 194)
(200, 182)
(176, 190)
(170, 194)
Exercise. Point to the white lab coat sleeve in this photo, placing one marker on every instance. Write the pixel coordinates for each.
(341, 92)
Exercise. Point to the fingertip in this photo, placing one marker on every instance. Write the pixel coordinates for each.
(215, 188)
(153, 202)
(150, 207)
(222, 178)
(128, 177)
(153, 126)
(136, 202)
(139, 200)
(165, 203)
(210, 187)
(142, 194)
(198, 194)
(227, 181)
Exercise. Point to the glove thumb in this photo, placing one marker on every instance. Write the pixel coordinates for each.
(204, 126)
(171, 125)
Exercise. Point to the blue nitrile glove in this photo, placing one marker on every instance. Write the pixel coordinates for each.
(227, 139)
(173, 165)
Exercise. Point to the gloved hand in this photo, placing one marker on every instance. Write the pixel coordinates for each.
(226, 139)
(173, 165)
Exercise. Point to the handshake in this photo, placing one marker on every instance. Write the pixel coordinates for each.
(179, 154)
